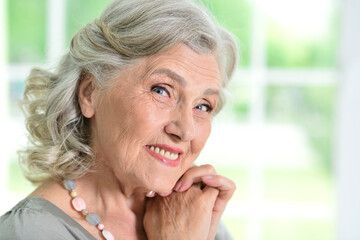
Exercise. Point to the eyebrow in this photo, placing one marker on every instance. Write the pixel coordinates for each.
(171, 74)
(211, 91)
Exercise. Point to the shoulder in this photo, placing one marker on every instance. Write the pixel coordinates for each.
(37, 218)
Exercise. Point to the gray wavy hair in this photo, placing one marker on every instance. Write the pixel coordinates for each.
(127, 31)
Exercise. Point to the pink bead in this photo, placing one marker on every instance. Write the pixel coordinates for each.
(78, 203)
(100, 226)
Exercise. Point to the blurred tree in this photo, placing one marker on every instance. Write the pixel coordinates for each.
(235, 16)
(81, 12)
(27, 29)
(311, 108)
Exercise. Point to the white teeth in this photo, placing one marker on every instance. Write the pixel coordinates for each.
(174, 156)
(162, 152)
(157, 150)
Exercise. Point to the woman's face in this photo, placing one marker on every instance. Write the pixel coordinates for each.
(154, 120)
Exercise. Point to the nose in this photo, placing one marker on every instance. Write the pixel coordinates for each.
(181, 125)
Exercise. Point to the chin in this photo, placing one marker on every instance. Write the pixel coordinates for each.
(162, 184)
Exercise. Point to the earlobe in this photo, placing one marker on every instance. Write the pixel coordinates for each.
(86, 95)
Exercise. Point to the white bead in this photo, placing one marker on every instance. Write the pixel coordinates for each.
(107, 235)
(73, 194)
(100, 226)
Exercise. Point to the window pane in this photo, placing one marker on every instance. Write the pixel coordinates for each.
(17, 183)
(300, 190)
(311, 109)
(298, 230)
(301, 33)
(16, 94)
(81, 12)
(301, 185)
(236, 17)
(238, 103)
(27, 24)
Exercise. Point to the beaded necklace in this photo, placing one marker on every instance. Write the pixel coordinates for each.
(79, 205)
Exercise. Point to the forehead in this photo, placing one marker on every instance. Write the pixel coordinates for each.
(186, 63)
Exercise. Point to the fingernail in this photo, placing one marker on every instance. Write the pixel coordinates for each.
(184, 187)
(150, 194)
(178, 186)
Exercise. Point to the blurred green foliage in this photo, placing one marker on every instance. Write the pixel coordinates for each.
(236, 17)
(313, 185)
(311, 108)
(81, 12)
(285, 49)
(240, 101)
(284, 229)
(239, 175)
(26, 30)
(17, 181)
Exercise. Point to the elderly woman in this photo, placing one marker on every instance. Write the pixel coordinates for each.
(115, 131)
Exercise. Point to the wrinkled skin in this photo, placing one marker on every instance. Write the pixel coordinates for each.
(172, 215)
(194, 212)
(146, 105)
(133, 114)
(167, 99)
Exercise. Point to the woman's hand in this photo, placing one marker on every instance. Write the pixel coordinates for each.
(185, 215)
(207, 175)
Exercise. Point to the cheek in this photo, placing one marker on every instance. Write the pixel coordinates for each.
(142, 123)
(202, 134)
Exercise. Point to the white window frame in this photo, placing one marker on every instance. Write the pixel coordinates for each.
(347, 164)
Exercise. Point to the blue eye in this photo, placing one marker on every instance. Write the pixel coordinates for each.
(160, 90)
(204, 107)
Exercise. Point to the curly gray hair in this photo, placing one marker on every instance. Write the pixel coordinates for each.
(127, 31)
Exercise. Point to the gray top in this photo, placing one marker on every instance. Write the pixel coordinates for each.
(36, 218)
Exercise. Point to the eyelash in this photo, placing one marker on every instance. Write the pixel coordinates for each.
(157, 87)
(209, 108)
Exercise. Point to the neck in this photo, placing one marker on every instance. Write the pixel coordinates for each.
(108, 192)
(119, 202)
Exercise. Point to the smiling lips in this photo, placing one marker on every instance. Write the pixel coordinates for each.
(167, 155)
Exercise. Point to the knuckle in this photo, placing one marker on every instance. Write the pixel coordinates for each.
(220, 179)
(209, 168)
(233, 185)
(187, 175)
(230, 183)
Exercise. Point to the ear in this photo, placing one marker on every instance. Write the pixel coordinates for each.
(86, 95)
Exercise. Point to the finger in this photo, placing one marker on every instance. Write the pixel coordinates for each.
(226, 189)
(193, 175)
(165, 194)
(210, 194)
(193, 169)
